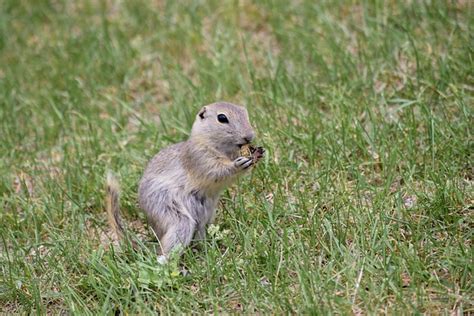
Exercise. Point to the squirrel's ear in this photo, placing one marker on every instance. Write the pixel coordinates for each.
(201, 113)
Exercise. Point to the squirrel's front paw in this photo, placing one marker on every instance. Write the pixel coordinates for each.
(243, 163)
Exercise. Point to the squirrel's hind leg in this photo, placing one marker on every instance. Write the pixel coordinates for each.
(180, 233)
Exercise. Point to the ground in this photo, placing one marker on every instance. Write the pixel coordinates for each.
(363, 204)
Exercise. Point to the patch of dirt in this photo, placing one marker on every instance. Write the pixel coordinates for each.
(391, 81)
(23, 182)
(105, 236)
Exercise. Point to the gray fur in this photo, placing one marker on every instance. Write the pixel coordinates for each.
(181, 185)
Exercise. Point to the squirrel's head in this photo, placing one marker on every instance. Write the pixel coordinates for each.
(224, 126)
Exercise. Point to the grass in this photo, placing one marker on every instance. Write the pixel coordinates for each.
(364, 203)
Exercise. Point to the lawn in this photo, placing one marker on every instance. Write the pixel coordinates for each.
(364, 202)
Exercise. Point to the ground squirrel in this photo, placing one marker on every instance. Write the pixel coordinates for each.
(181, 185)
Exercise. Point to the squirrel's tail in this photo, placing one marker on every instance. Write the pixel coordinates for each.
(112, 204)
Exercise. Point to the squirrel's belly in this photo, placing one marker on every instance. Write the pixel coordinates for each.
(201, 206)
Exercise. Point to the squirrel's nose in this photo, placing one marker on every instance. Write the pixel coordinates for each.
(249, 137)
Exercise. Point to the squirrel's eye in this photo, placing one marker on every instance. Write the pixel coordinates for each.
(222, 118)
